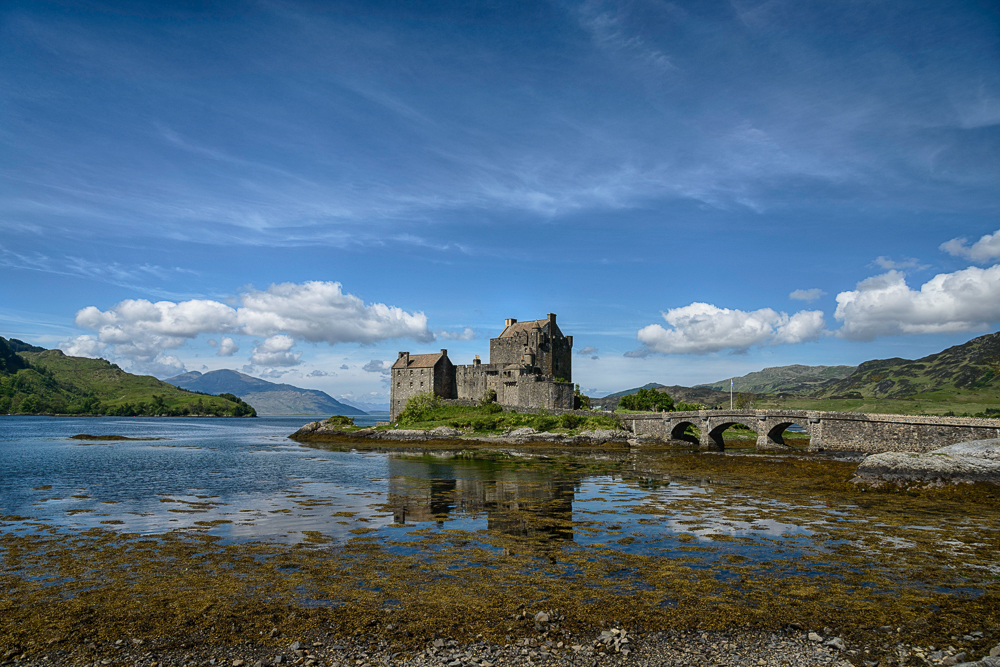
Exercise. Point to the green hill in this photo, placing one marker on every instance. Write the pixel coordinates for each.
(970, 368)
(39, 381)
(269, 398)
(626, 392)
(704, 396)
(795, 379)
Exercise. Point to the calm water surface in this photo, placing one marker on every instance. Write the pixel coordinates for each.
(244, 480)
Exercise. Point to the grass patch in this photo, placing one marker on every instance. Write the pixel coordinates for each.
(428, 411)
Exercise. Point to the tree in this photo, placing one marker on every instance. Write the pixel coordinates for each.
(746, 400)
(489, 396)
(580, 401)
(647, 400)
(419, 408)
(30, 405)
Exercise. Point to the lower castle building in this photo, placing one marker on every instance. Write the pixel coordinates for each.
(531, 366)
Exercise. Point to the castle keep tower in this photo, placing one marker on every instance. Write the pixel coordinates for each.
(537, 344)
(531, 367)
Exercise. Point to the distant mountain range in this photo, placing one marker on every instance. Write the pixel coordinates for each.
(797, 379)
(268, 398)
(370, 408)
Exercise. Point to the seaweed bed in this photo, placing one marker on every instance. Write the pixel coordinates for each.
(923, 563)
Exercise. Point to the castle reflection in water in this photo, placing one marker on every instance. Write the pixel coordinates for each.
(521, 502)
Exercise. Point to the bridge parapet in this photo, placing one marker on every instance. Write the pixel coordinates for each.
(842, 431)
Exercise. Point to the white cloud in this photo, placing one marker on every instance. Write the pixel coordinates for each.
(984, 250)
(587, 351)
(807, 294)
(319, 374)
(84, 346)
(227, 347)
(377, 366)
(276, 351)
(884, 305)
(160, 366)
(320, 312)
(344, 367)
(272, 373)
(701, 328)
(312, 311)
(465, 334)
(141, 330)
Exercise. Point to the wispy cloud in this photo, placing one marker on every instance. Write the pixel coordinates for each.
(132, 276)
(806, 294)
(890, 264)
(607, 23)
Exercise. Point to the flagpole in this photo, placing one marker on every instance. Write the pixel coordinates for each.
(730, 393)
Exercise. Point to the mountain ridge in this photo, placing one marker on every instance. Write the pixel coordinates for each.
(971, 366)
(268, 398)
(793, 379)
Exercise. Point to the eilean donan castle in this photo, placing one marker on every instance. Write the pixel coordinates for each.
(531, 366)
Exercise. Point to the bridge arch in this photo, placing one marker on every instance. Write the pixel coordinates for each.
(678, 431)
(713, 438)
(775, 433)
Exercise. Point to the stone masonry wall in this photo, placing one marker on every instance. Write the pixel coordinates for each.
(473, 381)
(506, 351)
(897, 433)
(407, 383)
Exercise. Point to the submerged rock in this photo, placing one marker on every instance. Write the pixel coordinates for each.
(964, 462)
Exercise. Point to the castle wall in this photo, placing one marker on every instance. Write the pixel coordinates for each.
(558, 358)
(552, 355)
(506, 351)
(444, 378)
(409, 382)
(536, 392)
(473, 381)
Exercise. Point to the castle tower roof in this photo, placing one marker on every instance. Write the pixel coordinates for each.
(519, 328)
(419, 360)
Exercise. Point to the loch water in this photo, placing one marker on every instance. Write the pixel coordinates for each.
(243, 480)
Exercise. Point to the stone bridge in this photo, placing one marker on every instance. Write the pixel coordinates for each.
(844, 431)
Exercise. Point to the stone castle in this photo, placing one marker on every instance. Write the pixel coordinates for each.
(531, 366)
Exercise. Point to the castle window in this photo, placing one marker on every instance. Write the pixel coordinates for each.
(411, 383)
(421, 384)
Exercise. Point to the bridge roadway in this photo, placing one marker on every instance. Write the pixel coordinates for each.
(842, 431)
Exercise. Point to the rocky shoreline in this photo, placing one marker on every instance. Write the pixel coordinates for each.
(961, 463)
(615, 646)
(323, 431)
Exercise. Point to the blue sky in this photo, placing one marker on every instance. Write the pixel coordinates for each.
(300, 190)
